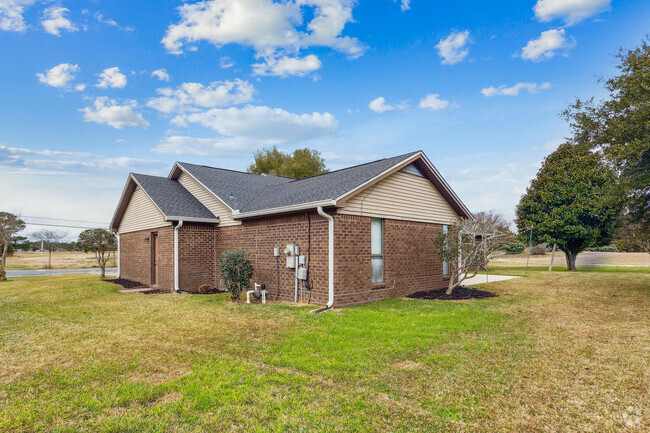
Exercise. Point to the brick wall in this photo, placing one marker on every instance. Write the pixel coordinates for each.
(410, 262)
(136, 253)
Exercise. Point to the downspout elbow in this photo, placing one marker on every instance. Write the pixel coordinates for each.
(330, 256)
(176, 272)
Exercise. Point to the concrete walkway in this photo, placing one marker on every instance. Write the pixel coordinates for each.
(481, 279)
(45, 272)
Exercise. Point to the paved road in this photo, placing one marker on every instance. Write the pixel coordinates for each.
(43, 272)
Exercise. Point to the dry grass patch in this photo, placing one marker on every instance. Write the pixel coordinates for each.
(558, 352)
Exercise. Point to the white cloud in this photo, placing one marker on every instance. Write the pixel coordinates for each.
(111, 77)
(193, 96)
(161, 74)
(111, 22)
(287, 66)
(514, 90)
(200, 146)
(45, 152)
(453, 48)
(571, 11)
(110, 112)
(406, 5)
(53, 21)
(225, 62)
(264, 124)
(433, 102)
(379, 105)
(59, 75)
(80, 87)
(274, 29)
(551, 145)
(11, 14)
(547, 45)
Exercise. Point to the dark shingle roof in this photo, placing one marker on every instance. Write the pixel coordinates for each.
(171, 198)
(235, 188)
(328, 186)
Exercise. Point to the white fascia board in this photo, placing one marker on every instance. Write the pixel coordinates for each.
(284, 209)
(447, 187)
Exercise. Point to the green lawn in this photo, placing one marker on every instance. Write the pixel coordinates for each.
(554, 352)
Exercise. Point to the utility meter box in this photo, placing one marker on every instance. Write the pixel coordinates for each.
(302, 273)
(291, 256)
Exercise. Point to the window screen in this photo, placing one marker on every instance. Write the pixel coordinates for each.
(377, 250)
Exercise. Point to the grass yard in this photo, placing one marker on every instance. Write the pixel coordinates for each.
(26, 260)
(555, 352)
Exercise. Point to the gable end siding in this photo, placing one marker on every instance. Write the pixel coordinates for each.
(208, 200)
(141, 214)
(402, 196)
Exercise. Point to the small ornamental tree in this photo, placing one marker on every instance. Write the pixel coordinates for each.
(468, 246)
(50, 240)
(10, 224)
(236, 271)
(100, 242)
(571, 203)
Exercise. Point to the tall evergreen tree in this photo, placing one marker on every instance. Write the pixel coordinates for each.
(571, 202)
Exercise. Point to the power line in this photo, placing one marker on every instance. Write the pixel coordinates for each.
(60, 225)
(63, 219)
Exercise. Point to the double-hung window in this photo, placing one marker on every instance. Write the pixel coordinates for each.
(377, 250)
(445, 263)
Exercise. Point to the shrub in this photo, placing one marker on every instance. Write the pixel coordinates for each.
(205, 289)
(604, 249)
(538, 250)
(514, 248)
(236, 271)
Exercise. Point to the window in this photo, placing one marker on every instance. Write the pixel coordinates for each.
(445, 263)
(377, 250)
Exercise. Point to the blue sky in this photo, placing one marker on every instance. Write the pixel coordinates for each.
(92, 90)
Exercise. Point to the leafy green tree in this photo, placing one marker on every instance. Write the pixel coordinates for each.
(101, 242)
(620, 127)
(236, 271)
(10, 224)
(299, 165)
(571, 202)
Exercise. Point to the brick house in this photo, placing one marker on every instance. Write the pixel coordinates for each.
(364, 232)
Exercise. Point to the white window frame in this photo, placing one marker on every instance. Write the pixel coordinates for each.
(376, 256)
(445, 263)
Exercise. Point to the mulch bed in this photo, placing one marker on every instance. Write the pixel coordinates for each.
(459, 293)
(127, 284)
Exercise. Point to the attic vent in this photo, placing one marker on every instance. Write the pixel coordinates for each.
(264, 174)
(232, 195)
(412, 169)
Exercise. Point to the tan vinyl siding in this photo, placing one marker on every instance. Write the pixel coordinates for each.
(141, 214)
(402, 196)
(208, 200)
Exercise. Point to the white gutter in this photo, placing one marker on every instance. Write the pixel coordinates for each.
(283, 209)
(330, 256)
(117, 235)
(192, 220)
(178, 226)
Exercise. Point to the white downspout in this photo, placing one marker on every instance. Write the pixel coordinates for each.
(330, 256)
(118, 254)
(178, 226)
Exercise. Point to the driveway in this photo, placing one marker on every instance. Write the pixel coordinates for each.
(44, 272)
(482, 278)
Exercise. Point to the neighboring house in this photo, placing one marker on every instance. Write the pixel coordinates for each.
(366, 231)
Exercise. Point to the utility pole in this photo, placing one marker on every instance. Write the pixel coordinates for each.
(41, 254)
(530, 246)
(550, 267)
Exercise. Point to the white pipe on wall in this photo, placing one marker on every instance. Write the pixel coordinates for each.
(178, 226)
(117, 235)
(330, 256)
